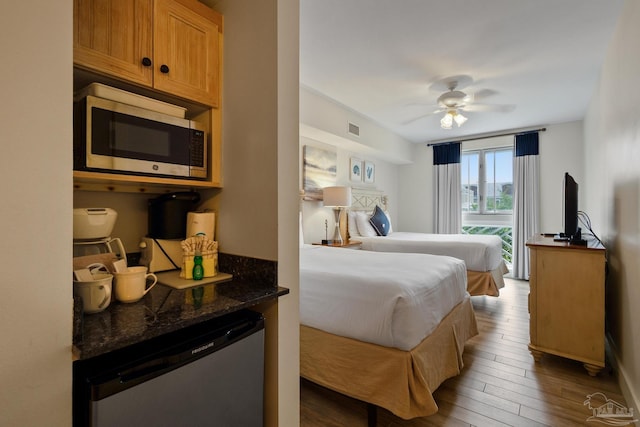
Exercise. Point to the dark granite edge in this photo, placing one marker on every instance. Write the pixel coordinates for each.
(97, 350)
(254, 282)
(249, 269)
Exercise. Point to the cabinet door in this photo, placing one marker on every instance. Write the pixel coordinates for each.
(186, 50)
(569, 288)
(113, 36)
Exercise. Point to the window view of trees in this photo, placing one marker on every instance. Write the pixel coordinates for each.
(487, 181)
(487, 194)
(470, 170)
(498, 171)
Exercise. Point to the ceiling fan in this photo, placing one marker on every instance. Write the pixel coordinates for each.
(454, 102)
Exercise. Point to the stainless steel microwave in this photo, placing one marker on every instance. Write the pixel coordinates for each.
(119, 137)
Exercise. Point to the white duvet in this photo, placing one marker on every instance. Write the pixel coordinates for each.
(479, 252)
(390, 299)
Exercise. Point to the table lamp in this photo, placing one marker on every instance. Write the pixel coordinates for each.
(336, 198)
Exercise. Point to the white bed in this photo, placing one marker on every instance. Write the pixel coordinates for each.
(384, 328)
(482, 254)
(479, 252)
(394, 300)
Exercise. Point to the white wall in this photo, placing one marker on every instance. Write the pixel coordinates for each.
(314, 213)
(258, 206)
(326, 120)
(612, 190)
(36, 215)
(288, 18)
(247, 217)
(324, 124)
(36, 166)
(415, 192)
(561, 150)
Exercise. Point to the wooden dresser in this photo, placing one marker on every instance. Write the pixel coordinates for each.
(566, 301)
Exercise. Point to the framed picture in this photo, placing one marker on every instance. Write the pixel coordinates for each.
(319, 168)
(356, 169)
(369, 172)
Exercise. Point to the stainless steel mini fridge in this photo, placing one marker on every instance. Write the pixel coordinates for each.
(207, 375)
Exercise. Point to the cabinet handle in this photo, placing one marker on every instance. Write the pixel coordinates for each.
(164, 69)
(146, 62)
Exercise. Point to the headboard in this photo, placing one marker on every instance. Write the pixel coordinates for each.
(363, 199)
(366, 199)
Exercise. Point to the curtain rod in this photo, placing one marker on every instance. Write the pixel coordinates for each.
(431, 144)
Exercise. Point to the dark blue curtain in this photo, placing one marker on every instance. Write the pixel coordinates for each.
(447, 200)
(527, 144)
(526, 200)
(444, 154)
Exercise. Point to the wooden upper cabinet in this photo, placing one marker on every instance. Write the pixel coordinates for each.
(113, 36)
(169, 45)
(186, 50)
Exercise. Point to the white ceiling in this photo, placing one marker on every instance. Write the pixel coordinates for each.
(387, 59)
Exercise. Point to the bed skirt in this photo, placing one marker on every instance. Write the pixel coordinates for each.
(486, 282)
(397, 380)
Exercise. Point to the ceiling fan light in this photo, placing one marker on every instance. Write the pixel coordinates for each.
(446, 121)
(460, 119)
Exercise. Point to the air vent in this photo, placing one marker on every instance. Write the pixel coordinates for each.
(354, 129)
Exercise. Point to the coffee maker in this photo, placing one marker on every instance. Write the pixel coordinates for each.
(171, 220)
(92, 239)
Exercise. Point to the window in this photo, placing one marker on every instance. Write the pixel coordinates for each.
(470, 169)
(487, 181)
(487, 194)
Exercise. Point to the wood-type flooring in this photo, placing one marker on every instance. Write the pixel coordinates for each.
(500, 384)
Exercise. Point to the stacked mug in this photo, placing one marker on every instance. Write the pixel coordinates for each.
(128, 286)
(96, 292)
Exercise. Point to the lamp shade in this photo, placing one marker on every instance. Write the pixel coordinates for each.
(460, 119)
(447, 120)
(336, 196)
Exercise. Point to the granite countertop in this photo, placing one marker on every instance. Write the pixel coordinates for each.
(164, 310)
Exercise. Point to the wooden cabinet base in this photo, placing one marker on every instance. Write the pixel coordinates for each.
(537, 355)
(566, 301)
(592, 369)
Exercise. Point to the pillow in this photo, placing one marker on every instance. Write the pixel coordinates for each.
(379, 221)
(351, 224)
(390, 226)
(364, 226)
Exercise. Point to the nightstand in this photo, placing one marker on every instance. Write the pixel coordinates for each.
(352, 244)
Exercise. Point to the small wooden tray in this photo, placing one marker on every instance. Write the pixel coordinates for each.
(172, 279)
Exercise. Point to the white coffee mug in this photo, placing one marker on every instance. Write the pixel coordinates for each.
(95, 294)
(131, 285)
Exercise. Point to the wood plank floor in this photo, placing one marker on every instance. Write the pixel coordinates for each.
(500, 385)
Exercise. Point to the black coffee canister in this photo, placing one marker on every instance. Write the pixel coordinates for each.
(168, 214)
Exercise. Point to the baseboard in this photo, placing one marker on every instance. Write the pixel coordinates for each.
(621, 375)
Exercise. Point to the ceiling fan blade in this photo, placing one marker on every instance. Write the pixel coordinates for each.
(422, 116)
(421, 106)
(489, 108)
(483, 94)
(452, 82)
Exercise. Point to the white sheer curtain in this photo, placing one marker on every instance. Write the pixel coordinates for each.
(526, 203)
(447, 195)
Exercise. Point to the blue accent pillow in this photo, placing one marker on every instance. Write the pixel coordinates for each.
(380, 222)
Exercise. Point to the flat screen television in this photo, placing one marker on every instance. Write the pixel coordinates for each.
(570, 209)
